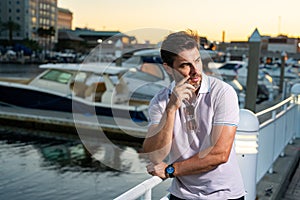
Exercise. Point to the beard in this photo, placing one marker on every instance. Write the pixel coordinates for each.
(197, 83)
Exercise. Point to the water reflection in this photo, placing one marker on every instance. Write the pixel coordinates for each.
(73, 154)
(36, 168)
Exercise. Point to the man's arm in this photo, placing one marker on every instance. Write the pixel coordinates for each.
(206, 160)
(159, 137)
(210, 158)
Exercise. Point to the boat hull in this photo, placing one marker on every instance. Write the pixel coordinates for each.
(29, 98)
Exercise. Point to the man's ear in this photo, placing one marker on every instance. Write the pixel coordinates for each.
(168, 68)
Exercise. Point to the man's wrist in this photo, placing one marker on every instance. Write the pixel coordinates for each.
(169, 171)
(171, 108)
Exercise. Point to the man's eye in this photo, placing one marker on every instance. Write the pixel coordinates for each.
(197, 60)
(184, 65)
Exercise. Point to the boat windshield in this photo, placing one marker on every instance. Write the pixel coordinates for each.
(57, 76)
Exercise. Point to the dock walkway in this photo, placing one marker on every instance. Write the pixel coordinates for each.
(284, 182)
(293, 191)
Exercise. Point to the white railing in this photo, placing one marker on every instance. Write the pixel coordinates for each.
(143, 190)
(279, 129)
(275, 133)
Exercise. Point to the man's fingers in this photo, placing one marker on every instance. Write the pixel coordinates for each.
(183, 81)
(189, 86)
(187, 94)
(150, 168)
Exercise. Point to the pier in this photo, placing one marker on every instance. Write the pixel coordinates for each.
(66, 125)
(268, 154)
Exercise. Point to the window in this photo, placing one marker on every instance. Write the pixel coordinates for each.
(231, 66)
(152, 69)
(57, 76)
(134, 60)
(80, 76)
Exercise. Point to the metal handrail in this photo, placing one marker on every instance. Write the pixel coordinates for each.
(141, 190)
(275, 133)
(275, 106)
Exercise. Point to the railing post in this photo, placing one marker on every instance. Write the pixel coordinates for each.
(282, 154)
(273, 118)
(246, 149)
(296, 93)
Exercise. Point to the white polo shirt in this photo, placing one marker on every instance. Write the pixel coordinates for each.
(216, 104)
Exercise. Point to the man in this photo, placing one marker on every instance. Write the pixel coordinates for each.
(193, 123)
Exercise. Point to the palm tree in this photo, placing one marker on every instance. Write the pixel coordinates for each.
(48, 34)
(41, 33)
(51, 31)
(11, 27)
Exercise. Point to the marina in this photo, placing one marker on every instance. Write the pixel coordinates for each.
(90, 120)
(77, 77)
(46, 151)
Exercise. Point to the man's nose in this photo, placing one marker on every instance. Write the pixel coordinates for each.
(193, 68)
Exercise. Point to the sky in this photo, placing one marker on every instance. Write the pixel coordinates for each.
(153, 19)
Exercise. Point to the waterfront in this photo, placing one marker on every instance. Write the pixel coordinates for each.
(41, 168)
(19, 70)
(56, 169)
(34, 167)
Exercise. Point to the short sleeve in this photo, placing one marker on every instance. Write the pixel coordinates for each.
(226, 107)
(155, 113)
(157, 107)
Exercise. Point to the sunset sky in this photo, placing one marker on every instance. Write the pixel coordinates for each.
(152, 19)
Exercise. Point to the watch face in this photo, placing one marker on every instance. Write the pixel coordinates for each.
(170, 169)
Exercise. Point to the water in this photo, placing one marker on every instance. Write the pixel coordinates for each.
(19, 70)
(43, 168)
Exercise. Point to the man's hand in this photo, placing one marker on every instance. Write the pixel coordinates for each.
(181, 91)
(157, 169)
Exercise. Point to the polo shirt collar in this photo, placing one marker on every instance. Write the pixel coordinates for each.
(205, 87)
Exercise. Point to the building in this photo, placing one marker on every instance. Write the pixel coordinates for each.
(64, 19)
(106, 38)
(14, 11)
(67, 39)
(283, 43)
(270, 47)
(33, 17)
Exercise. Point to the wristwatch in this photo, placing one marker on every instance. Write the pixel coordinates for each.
(170, 171)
